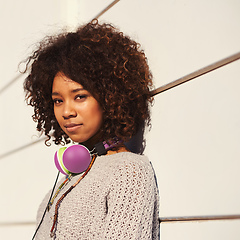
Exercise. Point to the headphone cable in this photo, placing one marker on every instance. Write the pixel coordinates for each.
(46, 206)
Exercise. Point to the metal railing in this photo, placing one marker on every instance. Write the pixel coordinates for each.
(159, 90)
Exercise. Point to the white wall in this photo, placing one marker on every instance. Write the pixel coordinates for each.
(194, 141)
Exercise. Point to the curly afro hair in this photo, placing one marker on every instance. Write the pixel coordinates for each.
(108, 64)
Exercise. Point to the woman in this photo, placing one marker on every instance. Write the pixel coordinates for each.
(91, 86)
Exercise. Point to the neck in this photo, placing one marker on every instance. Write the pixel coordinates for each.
(92, 141)
(97, 138)
(121, 148)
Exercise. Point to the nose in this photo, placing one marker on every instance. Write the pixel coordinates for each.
(69, 111)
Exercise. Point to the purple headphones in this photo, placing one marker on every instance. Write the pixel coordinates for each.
(75, 159)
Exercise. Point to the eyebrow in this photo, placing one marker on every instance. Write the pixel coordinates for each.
(72, 91)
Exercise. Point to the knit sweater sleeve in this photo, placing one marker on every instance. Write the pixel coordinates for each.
(131, 202)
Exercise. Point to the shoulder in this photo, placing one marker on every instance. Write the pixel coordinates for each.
(127, 166)
(127, 160)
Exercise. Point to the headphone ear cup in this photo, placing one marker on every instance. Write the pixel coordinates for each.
(59, 161)
(73, 159)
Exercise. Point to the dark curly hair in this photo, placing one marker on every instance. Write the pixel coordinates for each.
(109, 65)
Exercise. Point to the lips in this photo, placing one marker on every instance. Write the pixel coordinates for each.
(72, 127)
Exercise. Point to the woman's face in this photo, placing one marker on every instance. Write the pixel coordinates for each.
(76, 110)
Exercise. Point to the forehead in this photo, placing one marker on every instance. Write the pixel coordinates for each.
(62, 83)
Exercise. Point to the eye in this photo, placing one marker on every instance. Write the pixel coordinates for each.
(81, 96)
(57, 101)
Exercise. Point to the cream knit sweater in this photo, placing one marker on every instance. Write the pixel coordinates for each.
(117, 199)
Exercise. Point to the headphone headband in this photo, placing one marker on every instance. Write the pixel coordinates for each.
(101, 148)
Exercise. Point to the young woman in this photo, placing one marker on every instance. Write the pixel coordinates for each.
(93, 86)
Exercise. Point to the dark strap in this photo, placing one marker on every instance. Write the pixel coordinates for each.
(100, 149)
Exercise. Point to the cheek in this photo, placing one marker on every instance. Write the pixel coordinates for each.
(97, 116)
(57, 115)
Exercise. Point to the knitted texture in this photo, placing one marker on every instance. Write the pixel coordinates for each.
(118, 199)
